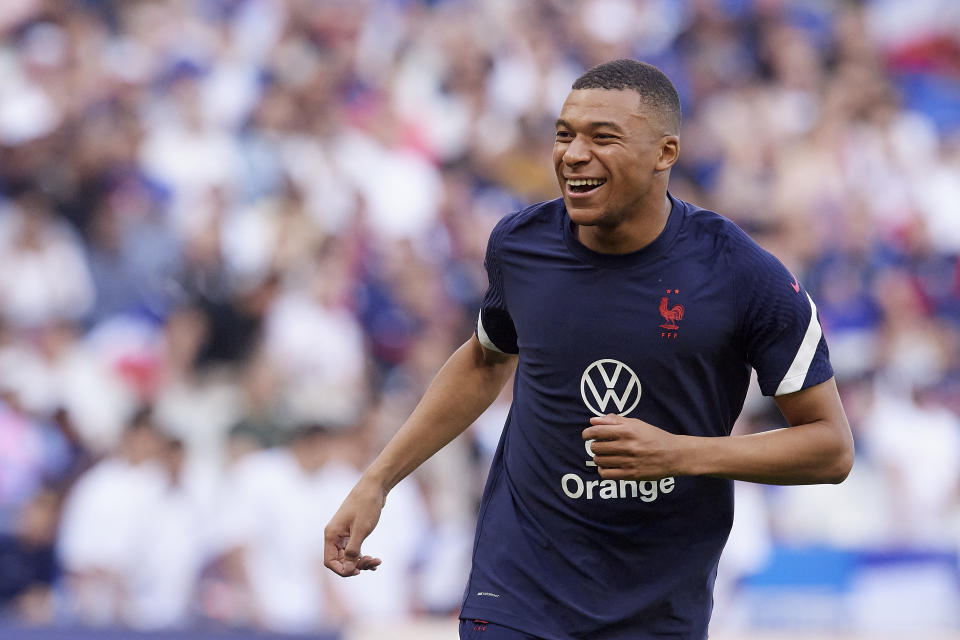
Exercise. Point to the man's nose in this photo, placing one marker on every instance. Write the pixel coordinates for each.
(577, 152)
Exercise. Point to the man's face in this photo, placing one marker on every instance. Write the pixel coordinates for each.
(608, 139)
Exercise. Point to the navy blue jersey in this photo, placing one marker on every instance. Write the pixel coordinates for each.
(667, 334)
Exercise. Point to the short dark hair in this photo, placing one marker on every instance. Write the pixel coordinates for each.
(655, 89)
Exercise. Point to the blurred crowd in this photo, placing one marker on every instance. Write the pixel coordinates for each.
(238, 237)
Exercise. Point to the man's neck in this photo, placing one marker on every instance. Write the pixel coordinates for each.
(626, 237)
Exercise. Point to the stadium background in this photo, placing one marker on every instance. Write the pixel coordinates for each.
(264, 219)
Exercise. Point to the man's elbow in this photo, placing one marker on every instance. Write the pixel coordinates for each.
(841, 464)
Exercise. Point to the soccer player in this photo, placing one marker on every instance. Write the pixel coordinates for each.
(632, 320)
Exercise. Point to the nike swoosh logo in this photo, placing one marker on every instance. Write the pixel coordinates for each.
(795, 284)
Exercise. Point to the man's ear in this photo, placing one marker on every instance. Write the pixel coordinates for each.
(669, 152)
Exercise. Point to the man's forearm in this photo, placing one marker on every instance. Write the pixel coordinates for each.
(803, 454)
(817, 448)
(464, 387)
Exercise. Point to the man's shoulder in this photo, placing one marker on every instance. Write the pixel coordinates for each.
(707, 227)
(757, 274)
(706, 223)
(531, 219)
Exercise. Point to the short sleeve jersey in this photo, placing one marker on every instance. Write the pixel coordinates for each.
(667, 334)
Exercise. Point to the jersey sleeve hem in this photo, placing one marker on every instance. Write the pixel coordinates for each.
(484, 338)
(793, 380)
(818, 375)
(497, 333)
(791, 385)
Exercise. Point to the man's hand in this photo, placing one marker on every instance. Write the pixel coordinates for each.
(349, 527)
(630, 449)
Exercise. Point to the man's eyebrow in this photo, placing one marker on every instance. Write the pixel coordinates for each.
(593, 125)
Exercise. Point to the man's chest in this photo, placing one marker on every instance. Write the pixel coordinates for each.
(673, 309)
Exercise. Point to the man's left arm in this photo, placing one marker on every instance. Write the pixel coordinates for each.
(816, 448)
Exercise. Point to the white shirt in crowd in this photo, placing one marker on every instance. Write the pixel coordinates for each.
(276, 513)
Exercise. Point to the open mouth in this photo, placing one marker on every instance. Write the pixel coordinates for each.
(585, 185)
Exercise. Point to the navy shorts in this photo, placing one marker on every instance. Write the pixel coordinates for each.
(483, 630)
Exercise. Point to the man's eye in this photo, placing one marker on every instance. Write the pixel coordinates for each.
(562, 135)
(605, 136)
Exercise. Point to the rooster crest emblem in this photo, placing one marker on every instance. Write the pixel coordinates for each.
(671, 315)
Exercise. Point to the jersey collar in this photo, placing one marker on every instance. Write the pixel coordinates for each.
(647, 254)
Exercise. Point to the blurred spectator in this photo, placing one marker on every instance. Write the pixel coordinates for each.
(275, 506)
(127, 540)
(29, 567)
(166, 580)
(269, 534)
(133, 253)
(45, 276)
(916, 441)
(34, 452)
(315, 343)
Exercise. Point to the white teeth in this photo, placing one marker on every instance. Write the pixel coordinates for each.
(586, 182)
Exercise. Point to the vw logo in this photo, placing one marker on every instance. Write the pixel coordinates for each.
(607, 380)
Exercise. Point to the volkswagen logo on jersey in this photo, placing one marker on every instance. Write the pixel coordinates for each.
(610, 386)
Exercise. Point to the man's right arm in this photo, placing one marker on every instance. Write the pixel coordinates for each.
(464, 387)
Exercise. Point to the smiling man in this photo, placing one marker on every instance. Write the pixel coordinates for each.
(632, 320)
(613, 153)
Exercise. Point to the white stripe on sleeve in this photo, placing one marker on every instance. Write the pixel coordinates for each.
(484, 338)
(797, 372)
